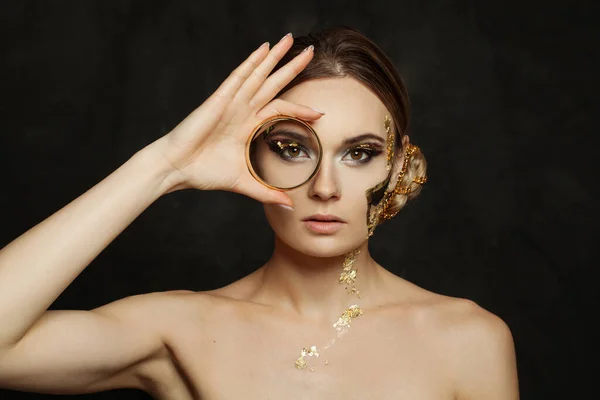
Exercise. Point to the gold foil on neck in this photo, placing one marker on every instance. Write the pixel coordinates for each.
(341, 326)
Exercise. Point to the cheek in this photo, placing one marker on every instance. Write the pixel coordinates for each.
(357, 183)
(273, 215)
(282, 220)
(367, 175)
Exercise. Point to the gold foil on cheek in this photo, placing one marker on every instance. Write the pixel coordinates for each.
(372, 215)
(390, 142)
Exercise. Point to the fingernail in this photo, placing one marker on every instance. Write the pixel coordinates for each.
(319, 111)
(285, 206)
(264, 44)
(309, 47)
(289, 34)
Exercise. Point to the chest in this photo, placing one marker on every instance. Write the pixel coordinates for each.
(374, 359)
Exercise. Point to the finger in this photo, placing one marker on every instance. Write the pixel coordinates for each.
(283, 107)
(281, 78)
(260, 73)
(230, 86)
(209, 112)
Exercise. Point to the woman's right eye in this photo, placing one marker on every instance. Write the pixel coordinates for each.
(287, 150)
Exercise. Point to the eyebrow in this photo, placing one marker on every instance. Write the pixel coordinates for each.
(346, 142)
(362, 137)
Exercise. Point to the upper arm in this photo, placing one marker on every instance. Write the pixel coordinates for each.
(484, 357)
(73, 352)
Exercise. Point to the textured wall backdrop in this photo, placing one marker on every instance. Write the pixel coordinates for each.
(502, 98)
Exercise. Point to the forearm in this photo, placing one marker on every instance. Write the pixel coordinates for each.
(36, 267)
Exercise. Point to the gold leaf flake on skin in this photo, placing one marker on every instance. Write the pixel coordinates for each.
(348, 276)
(346, 318)
(300, 363)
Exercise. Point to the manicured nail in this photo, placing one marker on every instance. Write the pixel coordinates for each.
(285, 206)
(264, 44)
(309, 47)
(289, 34)
(319, 111)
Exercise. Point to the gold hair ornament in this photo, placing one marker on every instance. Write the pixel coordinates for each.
(382, 211)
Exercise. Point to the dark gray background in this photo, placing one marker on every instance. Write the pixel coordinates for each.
(503, 108)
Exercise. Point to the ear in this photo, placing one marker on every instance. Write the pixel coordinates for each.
(398, 161)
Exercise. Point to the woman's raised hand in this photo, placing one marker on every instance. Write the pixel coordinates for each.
(207, 149)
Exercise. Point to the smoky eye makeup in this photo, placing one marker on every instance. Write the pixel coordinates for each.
(365, 151)
(288, 150)
(289, 146)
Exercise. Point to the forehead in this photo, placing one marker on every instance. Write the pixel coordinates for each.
(350, 107)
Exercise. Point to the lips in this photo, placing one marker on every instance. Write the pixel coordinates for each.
(324, 218)
(323, 227)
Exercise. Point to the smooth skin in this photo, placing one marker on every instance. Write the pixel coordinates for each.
(177, 344)
(68, 351)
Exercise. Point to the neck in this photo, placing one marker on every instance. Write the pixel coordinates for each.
(309, 285)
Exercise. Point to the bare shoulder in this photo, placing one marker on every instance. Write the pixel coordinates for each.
(463, 318)
(454, 318)
(460, 323)
(169, 313)
(480, 349)
(145, 308)
(477, 345)
(179, 305)
(153, 305)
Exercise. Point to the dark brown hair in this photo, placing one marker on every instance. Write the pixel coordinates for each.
(341, 51)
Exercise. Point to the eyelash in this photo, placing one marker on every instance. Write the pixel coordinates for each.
(286, 144)
(370, 151)
(366, 149)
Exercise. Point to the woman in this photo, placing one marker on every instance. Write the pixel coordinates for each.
(289, 329)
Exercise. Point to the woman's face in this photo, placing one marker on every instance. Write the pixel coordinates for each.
(346, 172)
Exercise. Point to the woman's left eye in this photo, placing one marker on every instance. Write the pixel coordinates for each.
(356, 154)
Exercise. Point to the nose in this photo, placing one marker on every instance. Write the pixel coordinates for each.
(324, 185)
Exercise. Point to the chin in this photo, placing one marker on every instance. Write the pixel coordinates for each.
(321, 245)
